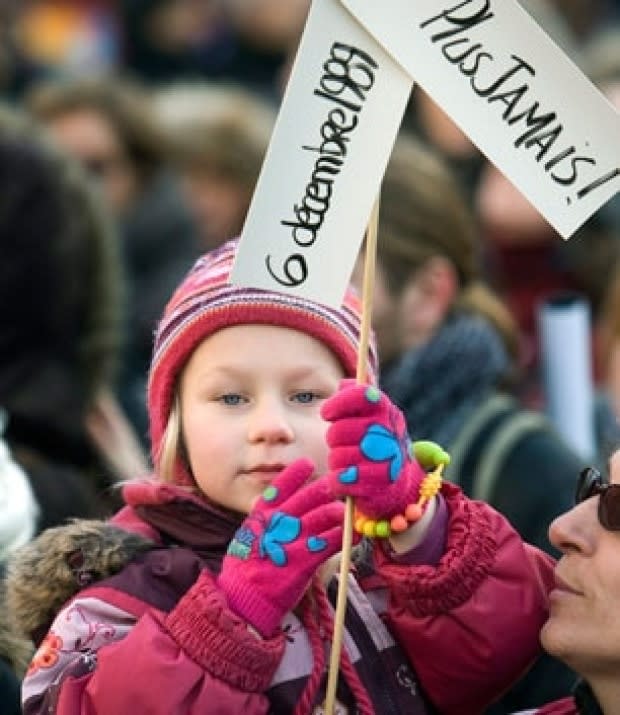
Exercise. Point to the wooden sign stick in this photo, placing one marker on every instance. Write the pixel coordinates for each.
(347, 537)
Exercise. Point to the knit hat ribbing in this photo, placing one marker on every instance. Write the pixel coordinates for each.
(206, 302)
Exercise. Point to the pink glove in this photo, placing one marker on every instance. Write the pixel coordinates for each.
(370, 452)
(293, 528)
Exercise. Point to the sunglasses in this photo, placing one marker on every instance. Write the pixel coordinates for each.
(592, 483)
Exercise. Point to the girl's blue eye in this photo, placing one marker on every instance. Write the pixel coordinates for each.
(305, 397)
(231, 399)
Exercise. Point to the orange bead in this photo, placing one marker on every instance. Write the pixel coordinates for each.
(413, 513)
(398, 523)
(359, 524)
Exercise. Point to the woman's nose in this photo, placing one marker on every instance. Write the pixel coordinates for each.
(269, 422)
(576, 529)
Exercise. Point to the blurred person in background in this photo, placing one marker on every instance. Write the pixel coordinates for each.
(109, 126)
(603, 60)
(17, 70)
(167, 40)
(244, 41)
(448, 347)
(528, 262)
(61, 295)
(220, 134)
(267, 33)
(428, 121)
(522, 256)
(448, 344)
(68, 37)
(586, 17)
(609, 340)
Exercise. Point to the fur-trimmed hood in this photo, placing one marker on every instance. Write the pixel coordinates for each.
(14, 649)
(51, 569)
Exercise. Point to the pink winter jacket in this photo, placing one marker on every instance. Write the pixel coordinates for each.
(469, 627)
(566, 706)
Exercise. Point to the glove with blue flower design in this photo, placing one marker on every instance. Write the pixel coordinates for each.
(372, 459)
(293, 528)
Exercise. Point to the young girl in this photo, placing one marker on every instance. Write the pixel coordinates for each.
(225, 605)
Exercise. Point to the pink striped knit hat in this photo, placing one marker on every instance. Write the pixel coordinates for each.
(205, 302)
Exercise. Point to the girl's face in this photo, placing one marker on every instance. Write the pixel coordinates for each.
(250, 405)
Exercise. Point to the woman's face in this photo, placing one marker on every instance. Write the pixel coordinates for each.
(411, 318)
(219, 205)
(583, 628)
(88, 136)
(418, 313)
(383, 310)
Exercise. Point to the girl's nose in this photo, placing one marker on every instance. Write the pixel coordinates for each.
(269, 423)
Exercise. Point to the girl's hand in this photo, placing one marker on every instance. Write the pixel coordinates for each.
(370, 455)
(293, 528)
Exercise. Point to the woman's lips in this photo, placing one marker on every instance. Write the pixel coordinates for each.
(562, 589)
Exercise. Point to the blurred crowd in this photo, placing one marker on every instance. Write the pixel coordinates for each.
(131, 137)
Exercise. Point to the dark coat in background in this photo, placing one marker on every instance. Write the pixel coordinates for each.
(160, 245)
(60, 307)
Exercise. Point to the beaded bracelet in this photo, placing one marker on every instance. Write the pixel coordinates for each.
(384, 528)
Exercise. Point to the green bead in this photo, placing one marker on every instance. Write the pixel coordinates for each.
(383, 529)
(373, 394)
(429, 454)
(270, 493)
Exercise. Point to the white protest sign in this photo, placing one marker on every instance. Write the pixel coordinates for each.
(502, 80)
(323, 169)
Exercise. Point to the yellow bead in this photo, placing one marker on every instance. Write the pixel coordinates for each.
(431, 484)
(370, 528)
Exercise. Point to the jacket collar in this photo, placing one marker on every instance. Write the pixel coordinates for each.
(183, 518)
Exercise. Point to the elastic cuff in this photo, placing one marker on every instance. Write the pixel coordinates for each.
(248, 605)
(470, 553)
(212, 635)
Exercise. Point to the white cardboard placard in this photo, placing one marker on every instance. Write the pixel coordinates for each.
(564, 328)
(322, 171)
(517, 96)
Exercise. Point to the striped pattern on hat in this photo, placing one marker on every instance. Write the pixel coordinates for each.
(206, 302)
